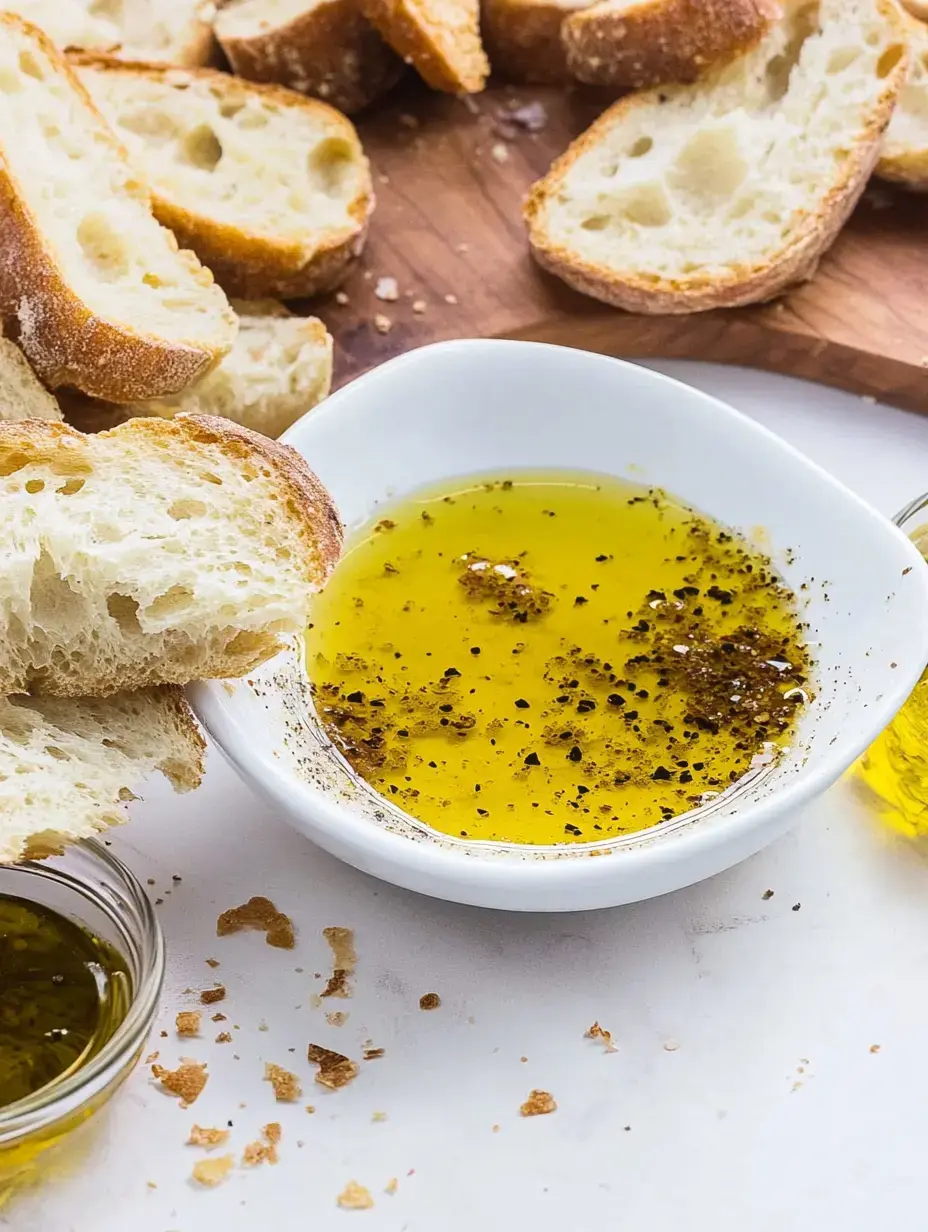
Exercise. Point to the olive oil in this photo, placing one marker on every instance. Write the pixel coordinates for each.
(553, 658)
(63, 993)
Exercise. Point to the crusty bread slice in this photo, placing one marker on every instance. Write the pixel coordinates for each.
(904, 156)
(99, 293)
(728, 191)
(168, 31)
(22, 395)
(163, 551)
(325, 48)
(633, 43)
(271, 189)
(279, 368)
(439, 38)
(523, 39)
(68, 765)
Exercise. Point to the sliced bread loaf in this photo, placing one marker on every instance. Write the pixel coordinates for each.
(726, 192)
(22, 395)
(269, 188)
(160, 552)
(439, 38)
(97, 290)
(169, 31)
(523, 38)
(325, 48)
(633, 43)
(68, 765)
(904, 156)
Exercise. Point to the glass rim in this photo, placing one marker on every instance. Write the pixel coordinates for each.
(907, 512)
(137, 919)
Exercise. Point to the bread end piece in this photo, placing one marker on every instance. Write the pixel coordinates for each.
(904, 155)
(523, 39)
(439, 38)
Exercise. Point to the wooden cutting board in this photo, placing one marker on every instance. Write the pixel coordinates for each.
(450, 175)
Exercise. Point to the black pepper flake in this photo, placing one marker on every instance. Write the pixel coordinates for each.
(585, 705)
(475, 650)
(630, 715)
(686, 777)
(661, 773)
(521, 703)
(356, 696)
(601, 557)
(449, 672)
(615, 699)
(575, 754)
(571, 829)
(532, 760)
(580, 600)
(483, 812)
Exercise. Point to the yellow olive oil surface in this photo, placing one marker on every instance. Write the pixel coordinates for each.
(553, 658)
(63, 993)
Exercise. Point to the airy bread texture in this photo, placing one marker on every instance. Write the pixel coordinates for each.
(160, 552)
(269, 188)
(634, 43)
(904, 156)
(172, 31)
(523, 39)
(99, 293)
(729, 191)
(439, 38)
(22, 395)
(279, 368)
(68, 766)
(325, 48)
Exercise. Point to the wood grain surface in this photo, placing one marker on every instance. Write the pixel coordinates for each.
(450, 176)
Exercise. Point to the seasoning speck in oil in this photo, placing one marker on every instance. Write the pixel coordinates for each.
(63, 993)
(554, 658)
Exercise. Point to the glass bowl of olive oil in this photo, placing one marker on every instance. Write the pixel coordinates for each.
(81, 968)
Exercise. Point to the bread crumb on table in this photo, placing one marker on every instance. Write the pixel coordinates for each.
(387, 290)
(223, 1038)
(874, 1047)
(212, 962)
(382, 323)
(209, 996)
(187, 1081)
(430, 1001)
(499, 153)
(202, 1136)
(419, 306)
(212, 1172)
(374, 1054)
(391, 1185)
(355, 1197)
(598, 1032)
(335, 1071)
(451, 299)
(286, 1085)
(377, 1117)
(539, 1103)
(260, 913)
(341, 298)
(336, 1018)
(187, 1022)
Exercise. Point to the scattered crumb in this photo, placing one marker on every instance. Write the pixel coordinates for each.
(259, 913)
(463, 248)
(209, 996)
(335, 1070)
(187, 1081)
(767, 894)
(539, 1103)
(382, 323)
(796, 906)
(868, 398)
(499, 153)
(671, 1045)
(409, 121)
(187, 1022)
(341, 298)
(152, 1057)
(286, 1085)
(344, 960)
(378, 1116)
(533, 117)
(523, 1059)
(212, 962)
(151, 1184)
(451, 299)
(206, 1137)
(355, 1197)
(598, 1032)
(496, 1129)
(315, 1001)
(223, 1038)
(217, 1017)
(419, 306)
(383, 179)
(272, 1132)
(257, 1152)
(310, 1108)
(387, 289)
(874, 1047)
(212, 1171)
(262, 1026)
(164, 1035)
(391, 1186)
(337, 1018)
(430, 1001)
(372, 1054)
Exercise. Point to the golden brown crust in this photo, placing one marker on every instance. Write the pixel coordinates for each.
(246, 264)
(65, 343)
(330, 52)
(452, 62)
(742, 283)
(523, 39)
(658, 41)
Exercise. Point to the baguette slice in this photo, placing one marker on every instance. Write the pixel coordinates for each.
(68, 765)
(634, 43)
(169, 31)
(22, 395)
(160, 552)
(523, 39)
(904, 156)
(325, 48)
(269, 188)
(729, 191)
(279, 368)
(439, 38)
(99, 293)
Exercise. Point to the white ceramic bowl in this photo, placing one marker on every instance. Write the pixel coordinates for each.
(464, 407)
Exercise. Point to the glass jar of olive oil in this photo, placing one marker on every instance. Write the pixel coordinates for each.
(88, 905)
(895, 767)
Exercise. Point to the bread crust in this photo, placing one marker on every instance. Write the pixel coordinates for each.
(743, 283)
(64, 341)
(330, 51)
(523, 39)
(454, 65)
(906, 162)
(660, 41)
(244, 263)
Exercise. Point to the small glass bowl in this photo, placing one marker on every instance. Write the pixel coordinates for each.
(48, 1129)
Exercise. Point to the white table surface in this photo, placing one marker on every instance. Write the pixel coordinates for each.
(771, 1113)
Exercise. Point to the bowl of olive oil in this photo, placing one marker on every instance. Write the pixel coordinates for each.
(81, 965)
(594, 635)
